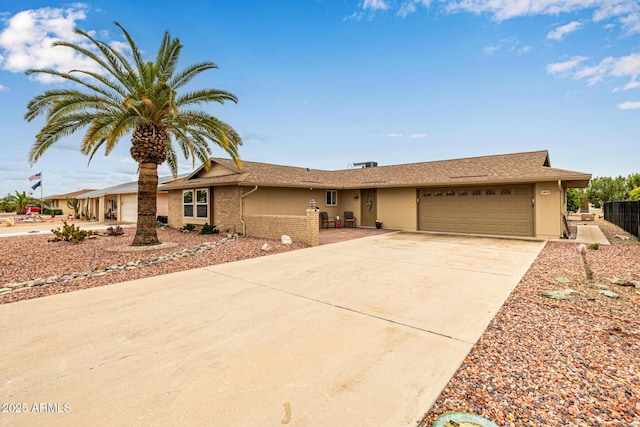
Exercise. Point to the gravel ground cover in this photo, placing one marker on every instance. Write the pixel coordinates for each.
(32, 257)
(545, 362)
(541, 362)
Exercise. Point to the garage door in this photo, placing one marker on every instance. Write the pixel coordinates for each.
(129, 208)
(500, 210)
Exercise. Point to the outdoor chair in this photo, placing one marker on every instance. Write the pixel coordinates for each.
(325, 220)
(349, 219)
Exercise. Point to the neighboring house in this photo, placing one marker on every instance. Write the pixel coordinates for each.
(511, 194)
(120, 202)
(59, 201)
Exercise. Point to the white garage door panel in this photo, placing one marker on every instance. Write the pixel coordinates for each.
(501, 210)
(129, 208)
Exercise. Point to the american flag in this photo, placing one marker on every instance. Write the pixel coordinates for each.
(36, 176)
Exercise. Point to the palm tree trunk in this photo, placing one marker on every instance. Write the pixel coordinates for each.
(146, 233)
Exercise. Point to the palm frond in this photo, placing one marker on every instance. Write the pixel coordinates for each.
(186, 75)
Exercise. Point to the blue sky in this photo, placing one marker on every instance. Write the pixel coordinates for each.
(324, 84)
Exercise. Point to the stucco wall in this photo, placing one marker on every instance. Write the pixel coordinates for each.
(397, 208)
(295, 201)
(162, 204)
(548, 206)
(175, 209)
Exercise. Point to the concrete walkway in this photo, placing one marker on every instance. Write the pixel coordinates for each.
(590, 234)
(359, 333)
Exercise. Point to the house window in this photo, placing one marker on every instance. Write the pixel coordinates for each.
(202, 203)
(437, 193)
(490, 193)
(506, 192)
(462, 193)
(187, 203)
(427, 194)
(451, 193)
(476, 193)
(332, 198)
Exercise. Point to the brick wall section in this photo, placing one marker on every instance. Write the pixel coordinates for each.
(304, 229)
(226, 208)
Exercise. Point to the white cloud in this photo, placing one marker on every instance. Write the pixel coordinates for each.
(409, 7)
(563, 30)
(510, 45)
(629, 105)
(609, 68)
(627, 11)
(488, 50)
(3, 88)
(412, 135)
(375, 5)
(563, 67)
(25, 41)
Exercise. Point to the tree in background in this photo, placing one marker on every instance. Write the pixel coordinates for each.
(574, 199)
(607, 189)
(635, 194)
(18, 202)
(131, 95)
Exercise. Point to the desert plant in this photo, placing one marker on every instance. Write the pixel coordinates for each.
(594, 246)
(582, 250)
(73, 203)
(188, 227)
(69, 233)
(208, 229)
(115, 231)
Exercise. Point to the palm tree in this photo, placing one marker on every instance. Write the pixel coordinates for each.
(20, 201)
(131, 95)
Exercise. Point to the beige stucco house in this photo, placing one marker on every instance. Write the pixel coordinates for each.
(510, 194)
(120, 202)
(59, 201)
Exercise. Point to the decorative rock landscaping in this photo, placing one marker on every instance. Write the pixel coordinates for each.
(15, 287)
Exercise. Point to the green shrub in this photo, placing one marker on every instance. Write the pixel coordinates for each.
(52, 212)
(69, 233)
(594, 246)
(188, 227)
(208, 229)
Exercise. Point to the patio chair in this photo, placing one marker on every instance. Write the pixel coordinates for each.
(325, 220)
(349, 219)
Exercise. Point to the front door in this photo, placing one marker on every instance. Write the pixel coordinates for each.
(368, 214)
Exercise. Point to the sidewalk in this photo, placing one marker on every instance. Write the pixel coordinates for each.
(590, 234)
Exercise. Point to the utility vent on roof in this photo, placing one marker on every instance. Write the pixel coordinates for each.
(365, 164)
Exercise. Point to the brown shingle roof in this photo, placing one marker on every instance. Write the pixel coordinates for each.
(519, 167)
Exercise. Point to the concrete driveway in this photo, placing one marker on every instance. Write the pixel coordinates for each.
(360, 333)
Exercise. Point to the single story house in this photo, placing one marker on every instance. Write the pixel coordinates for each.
(120, 202)
(59, 201)
(516, 194)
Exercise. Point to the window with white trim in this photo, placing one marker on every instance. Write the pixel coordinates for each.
(202, 203)
(187, 203)
(332, 198)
